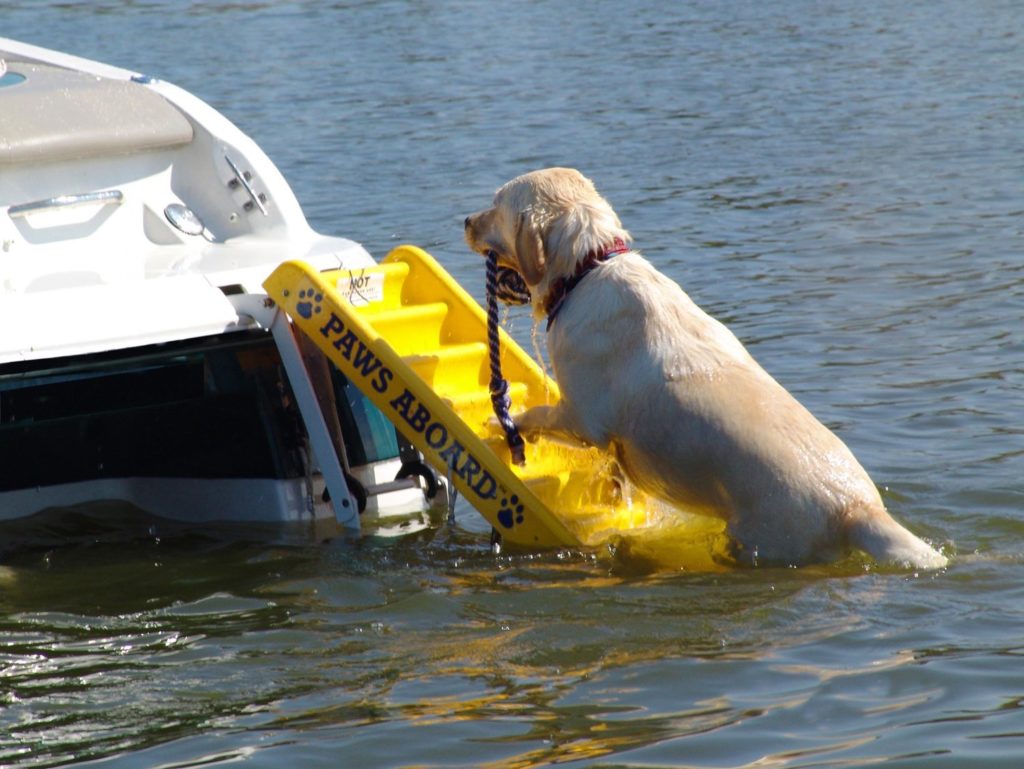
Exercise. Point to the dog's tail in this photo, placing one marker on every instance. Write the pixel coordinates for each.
(878, 535)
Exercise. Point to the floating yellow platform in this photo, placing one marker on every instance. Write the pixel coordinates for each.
(414, 342)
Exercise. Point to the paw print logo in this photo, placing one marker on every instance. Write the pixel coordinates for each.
(511, 512)
(305, 307)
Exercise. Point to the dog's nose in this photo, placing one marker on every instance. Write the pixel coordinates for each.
(466, 223)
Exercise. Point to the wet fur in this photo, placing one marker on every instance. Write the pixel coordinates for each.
(691, 417)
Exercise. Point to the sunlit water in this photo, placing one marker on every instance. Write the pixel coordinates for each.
(839, 182)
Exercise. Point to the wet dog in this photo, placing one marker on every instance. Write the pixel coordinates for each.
(688, 413)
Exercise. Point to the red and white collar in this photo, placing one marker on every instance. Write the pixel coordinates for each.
(561, 288)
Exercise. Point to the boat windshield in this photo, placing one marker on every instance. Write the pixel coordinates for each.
(9, 78)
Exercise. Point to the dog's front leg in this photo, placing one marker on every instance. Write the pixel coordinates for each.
(555, 422)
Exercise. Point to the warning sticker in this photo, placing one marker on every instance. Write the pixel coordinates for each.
(361, 287)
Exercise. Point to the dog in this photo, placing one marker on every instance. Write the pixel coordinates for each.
(688, 414)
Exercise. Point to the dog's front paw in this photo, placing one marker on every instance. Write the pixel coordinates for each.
(529, 435)
(494, 427)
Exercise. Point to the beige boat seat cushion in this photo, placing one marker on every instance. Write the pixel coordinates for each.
(58, 114)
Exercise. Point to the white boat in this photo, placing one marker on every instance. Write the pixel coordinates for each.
(140, 360)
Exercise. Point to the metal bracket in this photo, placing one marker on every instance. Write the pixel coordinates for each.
(243, 178)
(346, 510)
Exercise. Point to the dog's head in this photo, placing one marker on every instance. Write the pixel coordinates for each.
(543, 224)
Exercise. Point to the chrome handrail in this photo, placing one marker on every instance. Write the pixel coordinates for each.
(106, 197)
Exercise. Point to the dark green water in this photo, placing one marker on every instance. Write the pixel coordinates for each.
(843, 184)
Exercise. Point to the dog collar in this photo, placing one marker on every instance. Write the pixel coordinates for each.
(562, 287)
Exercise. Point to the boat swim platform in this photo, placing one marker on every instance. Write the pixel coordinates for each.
(414, 342)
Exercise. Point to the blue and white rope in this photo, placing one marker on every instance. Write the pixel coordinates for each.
(499, 386)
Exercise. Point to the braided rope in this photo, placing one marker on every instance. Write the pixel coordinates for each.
(499, 386)
(511, 288)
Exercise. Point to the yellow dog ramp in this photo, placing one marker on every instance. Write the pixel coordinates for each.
(415, 343)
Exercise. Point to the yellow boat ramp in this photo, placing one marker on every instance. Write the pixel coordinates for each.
(415, 343)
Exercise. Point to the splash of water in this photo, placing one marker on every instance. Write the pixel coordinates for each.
(538, 354)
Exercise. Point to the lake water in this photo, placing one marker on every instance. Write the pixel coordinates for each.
(839, 182)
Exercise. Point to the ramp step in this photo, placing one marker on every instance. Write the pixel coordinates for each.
(412, 328)
(452, 367)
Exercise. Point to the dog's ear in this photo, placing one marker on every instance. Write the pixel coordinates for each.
(530, 250)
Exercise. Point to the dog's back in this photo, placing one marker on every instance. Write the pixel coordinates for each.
(695, 420)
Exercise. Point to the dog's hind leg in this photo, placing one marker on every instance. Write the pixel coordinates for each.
(881, 537)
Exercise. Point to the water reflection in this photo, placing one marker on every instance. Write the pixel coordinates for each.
(531, 658)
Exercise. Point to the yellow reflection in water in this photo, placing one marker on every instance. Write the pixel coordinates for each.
(676, 542)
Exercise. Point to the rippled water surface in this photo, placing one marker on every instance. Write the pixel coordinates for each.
(839, 182)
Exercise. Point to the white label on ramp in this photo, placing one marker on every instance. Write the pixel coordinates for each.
(360, 287)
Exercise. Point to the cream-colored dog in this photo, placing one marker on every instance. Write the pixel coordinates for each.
(688, 413)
